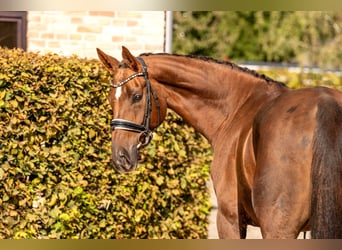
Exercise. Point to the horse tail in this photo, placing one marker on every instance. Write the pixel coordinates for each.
(326, 176)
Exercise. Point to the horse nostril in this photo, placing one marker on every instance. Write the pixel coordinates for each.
(124, 159)
(121, 154)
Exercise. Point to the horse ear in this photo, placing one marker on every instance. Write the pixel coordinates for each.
(129, 59)
(108, 61)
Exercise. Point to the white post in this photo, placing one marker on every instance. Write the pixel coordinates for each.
(168, 31)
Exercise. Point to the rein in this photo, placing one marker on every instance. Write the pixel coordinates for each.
(144, 128)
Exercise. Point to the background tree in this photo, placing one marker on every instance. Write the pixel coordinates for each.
(303, 37)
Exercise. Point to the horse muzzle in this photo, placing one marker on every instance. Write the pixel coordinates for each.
(125, 161)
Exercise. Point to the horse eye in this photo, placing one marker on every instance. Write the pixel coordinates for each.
(137, 98)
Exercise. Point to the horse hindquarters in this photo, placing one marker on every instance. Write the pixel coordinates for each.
(326, 203)
(282, 139)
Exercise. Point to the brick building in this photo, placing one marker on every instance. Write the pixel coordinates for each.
(80, 32)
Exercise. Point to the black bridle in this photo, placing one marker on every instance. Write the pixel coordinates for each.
(144, 128)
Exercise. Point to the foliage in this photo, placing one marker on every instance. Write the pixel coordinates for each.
(56, 180)
(304, 78)
(303, 37)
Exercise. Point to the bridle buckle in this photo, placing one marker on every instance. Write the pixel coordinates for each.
(144, 138)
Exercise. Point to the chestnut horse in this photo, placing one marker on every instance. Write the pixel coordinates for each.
(277, 152)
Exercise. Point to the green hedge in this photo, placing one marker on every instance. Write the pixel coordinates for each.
(56, 180)
(305, 78)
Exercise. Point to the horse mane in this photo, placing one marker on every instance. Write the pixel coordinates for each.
(223, 62)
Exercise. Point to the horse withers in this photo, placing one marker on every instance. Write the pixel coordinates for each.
(277, 152)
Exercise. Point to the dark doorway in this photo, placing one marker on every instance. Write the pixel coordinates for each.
(13, 29)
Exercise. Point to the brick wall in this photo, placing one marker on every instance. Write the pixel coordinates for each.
(80, 32)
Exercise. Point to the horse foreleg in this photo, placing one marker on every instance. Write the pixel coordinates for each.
(228, 225)
(224, 178)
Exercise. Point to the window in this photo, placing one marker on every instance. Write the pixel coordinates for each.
(13, 29)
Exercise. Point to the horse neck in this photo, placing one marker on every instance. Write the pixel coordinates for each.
(207, 94)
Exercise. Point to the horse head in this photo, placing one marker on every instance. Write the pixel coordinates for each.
(136, 108)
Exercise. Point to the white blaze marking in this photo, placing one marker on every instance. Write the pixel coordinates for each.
(118, 93)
